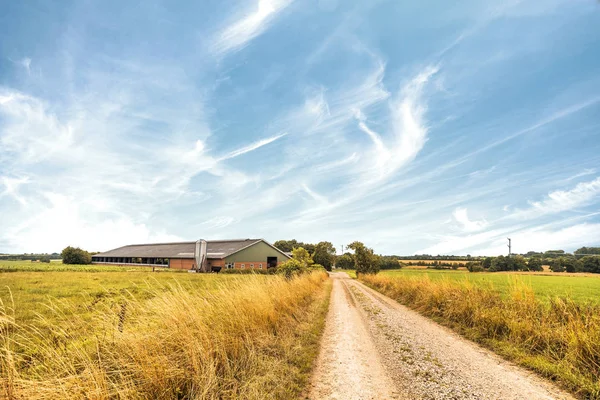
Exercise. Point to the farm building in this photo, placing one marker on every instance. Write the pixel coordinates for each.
(200, 255)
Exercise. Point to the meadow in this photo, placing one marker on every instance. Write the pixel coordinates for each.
(106, 332)
(547, 323)
(545, 285)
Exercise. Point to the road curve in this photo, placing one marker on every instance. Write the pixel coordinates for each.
(375, 348)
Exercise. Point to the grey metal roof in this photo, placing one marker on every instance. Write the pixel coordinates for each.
(215, 249)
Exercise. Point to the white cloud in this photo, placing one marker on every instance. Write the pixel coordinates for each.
(494, 242)
(409, 130)
(251, 147)
(542, 239)
(11, 188)
(582, 194)
(238, 34)
(66, 222)
(218, 222)
(461, 216)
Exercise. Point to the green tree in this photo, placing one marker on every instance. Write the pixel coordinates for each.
(556, 266)
(365, 261)
(75, 255)
(590, 264)
(286, 245)
(586, 251)
(324, 254)
(289, 245)
(499, 264)
(535, 264)
(345, 261)
(388, 262)
(301, 255)
(554, 253)
(487, 262)
(518, 263)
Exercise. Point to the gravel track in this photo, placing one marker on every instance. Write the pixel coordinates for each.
(375, 348)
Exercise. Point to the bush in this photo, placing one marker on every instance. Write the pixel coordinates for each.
(75, 255)
(291, 268)
(475, 266)
(45, 259)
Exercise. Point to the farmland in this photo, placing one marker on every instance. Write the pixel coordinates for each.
(579, 287)
(97, 332)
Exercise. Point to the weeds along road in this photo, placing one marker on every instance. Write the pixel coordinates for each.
(375, 348)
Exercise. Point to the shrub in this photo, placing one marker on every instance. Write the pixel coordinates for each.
(45, 259)
(475, 266)
(75, 255)
(291, 268)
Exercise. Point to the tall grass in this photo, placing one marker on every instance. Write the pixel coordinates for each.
(251, 338)
(559, 338)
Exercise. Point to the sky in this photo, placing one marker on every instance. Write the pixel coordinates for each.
(414, 127)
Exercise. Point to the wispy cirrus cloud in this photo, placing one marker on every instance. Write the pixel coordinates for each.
(123, 137)
(583, 194)
(241, 32)
(251, 147)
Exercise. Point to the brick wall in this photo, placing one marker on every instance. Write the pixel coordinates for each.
(182, 263)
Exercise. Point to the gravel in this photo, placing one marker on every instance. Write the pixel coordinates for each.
(375, 348)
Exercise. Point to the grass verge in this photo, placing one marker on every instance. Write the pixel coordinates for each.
(251, 338)
(558, 338)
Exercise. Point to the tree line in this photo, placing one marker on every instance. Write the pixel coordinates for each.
(362, 259)
(557, 260)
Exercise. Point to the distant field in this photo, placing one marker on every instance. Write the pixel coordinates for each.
(579, 287)
(431, 262)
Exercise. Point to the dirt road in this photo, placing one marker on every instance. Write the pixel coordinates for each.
(375, 348)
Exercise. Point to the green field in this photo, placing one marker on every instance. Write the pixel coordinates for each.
(578, 287)
(32, 290)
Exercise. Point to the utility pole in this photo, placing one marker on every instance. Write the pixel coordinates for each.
(509, 247)
(342, 249)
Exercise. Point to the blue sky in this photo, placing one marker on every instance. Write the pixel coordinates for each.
(416, 127)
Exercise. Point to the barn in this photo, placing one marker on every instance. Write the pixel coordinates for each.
(200, 255)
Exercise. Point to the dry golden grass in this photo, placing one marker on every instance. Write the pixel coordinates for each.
(252, 338)
(559, 338)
